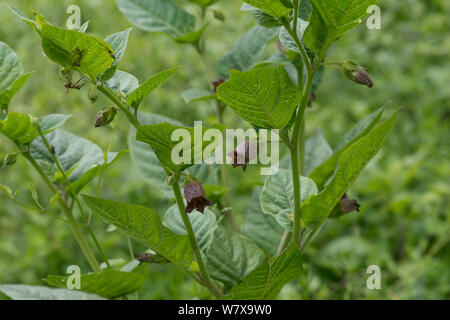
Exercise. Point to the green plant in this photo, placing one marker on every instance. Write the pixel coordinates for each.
(294, 203)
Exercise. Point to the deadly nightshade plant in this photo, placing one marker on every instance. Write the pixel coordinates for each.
(271, 94)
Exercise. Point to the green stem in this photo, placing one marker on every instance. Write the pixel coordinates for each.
(73, 195)
(287, 235)
(112, 96)
(209, 283)
(90, 257)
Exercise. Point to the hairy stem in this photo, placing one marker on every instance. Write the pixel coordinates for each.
(90, 257)
(208, 282)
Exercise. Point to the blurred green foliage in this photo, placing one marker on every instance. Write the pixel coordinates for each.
(404, 223)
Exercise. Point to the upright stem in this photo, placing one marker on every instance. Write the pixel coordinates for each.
(187, 224)
(90, 257)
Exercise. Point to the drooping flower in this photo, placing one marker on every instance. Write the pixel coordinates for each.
(356, 73)
(195, 197)
(105, 116)
(243, 154)
(344, 206)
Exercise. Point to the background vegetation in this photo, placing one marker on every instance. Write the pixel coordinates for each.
(404, 223)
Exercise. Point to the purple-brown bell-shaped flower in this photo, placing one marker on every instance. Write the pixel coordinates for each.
(344, 206)
(356, 73)
(243, 154)
(195, 197)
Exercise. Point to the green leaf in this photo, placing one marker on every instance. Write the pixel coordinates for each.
(323, 173)
(204, 225)
(145, 159)
(76, 51)
(24, 292)
(32, 23)
(10, 66)
(146, 226)
(53, 121)
(192, 37)
(158, 16)
(8, 94)
(123, 82)
(287, 41)
(352, 162)
(246, 51)
(266, 282)
(262, 228)
(261, 17)
(18, 128)
(204, 3)
(272, 7)
(110, 284)
(159, 137)
(194, 95)
(232, 256)
(77, 155)
(135, 98)
(118, 42)
(330, 20)
(97, 170)
(277, 195)
(317, 151)
(265, 97)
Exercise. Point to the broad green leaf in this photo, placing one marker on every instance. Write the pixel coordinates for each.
(76, 51)
(118, 42)
(194, 95)
(262, 228)
(10, 67)
(77, 155)
(110, 284)
(8, 94)
(146, 226)
(265, 97)
(158, 16)
(97, 170)
(330, 20)
(24, 292)
(287, 41)
(18, 128)
(277, 196)
(246, 51)
(232, 256)
(53, 121)
(317, 151)
(204, 3)
(272, 7)
(123, 82)
(266, 282)
(352, 162)
(135, 98)
(159, 137)
(145, 159)
(204, 225)
(323, 173)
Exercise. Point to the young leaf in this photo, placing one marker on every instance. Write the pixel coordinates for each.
(323, 173)
(118, 42)
(272, 7)
(158, 16)
(123, 82)
(204, 225)
(262, 228)
(18, 128)
(135, 98)
(110, 284)
(146, 226)
(53, 121)
(192, 37)
(10, 66)
(287, 41)
(330, 20)
(76, 51)
(246, 51)
(232, 256)
(24, 292)
(352, 162)
(265, 97)
(194, 95)
(266, 282)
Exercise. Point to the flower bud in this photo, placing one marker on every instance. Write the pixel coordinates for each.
(219, 15)
(9, 160)
(356, 73)
(195, 197)
(93, 94)
(243, 154)
(105, 116)
(151, 258)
